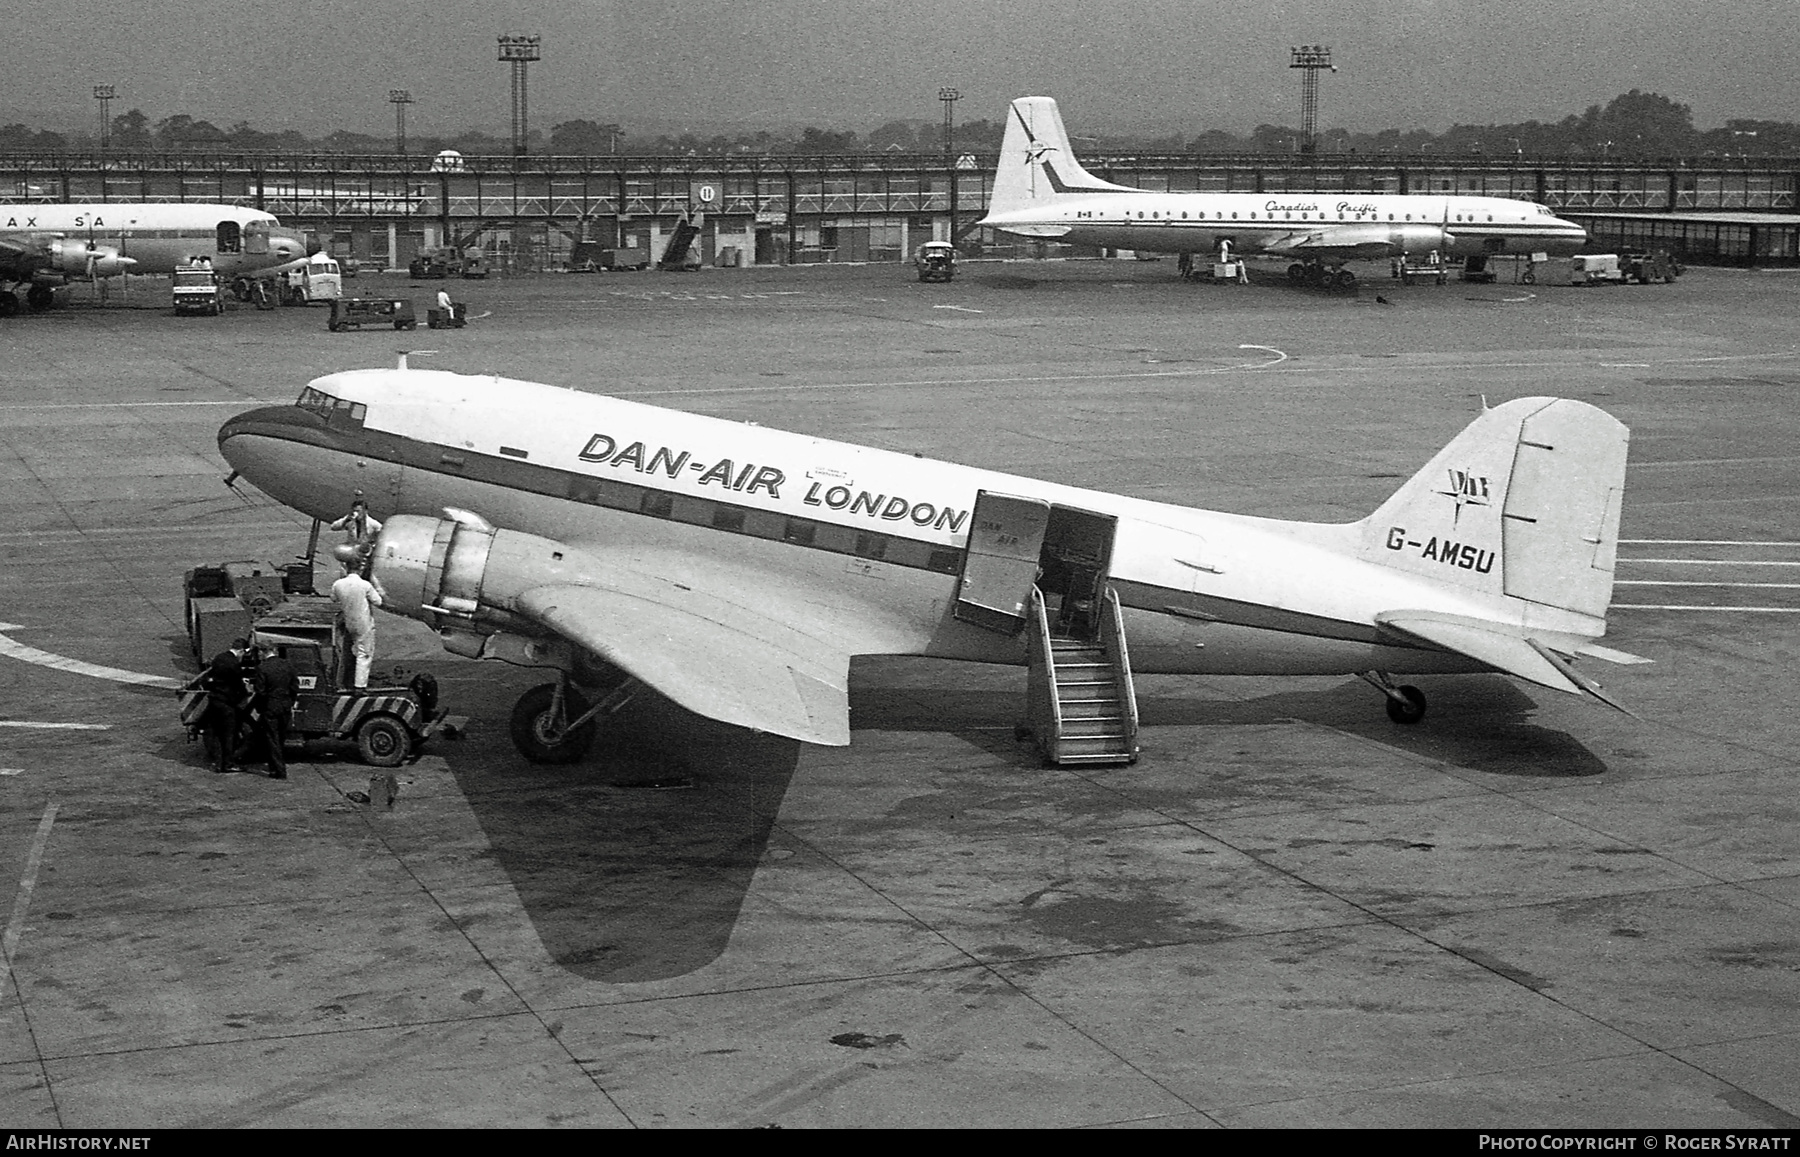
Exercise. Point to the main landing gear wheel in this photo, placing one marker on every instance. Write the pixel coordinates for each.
(40, 298)
(1343, 279)
(1297, 273)
(540, 727)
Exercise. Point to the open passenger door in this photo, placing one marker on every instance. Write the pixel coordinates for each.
(1006, 536)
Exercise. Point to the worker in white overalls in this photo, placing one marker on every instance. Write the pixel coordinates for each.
(357, 598)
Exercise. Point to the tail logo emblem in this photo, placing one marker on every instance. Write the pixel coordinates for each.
(1466, 489)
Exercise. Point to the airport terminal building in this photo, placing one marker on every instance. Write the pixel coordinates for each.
(537, 213)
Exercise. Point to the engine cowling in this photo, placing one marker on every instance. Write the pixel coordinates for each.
(77, 258)
(432, 568)
(463, 578)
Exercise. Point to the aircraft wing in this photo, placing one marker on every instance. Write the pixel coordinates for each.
(1344, 242)
(21, 254)
(710, 653)
(1537, 656)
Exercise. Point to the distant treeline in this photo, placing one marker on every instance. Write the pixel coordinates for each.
(1635, 124)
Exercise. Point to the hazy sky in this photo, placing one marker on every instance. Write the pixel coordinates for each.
(1162, 65)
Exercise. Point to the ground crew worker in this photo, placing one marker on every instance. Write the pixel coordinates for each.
(226, 701)
(357, 599)
(445, 305)
(359, 526)
(276, 689)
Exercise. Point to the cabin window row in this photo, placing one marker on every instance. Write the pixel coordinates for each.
(1156, 215)
(765, 524)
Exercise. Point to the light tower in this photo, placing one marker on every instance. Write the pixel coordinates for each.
(519, 51)
(1311, 58)
(104, 94)
(950, 96)
(399, 98)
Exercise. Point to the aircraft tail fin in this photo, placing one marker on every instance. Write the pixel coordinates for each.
(1524, 504)
(1037, 163)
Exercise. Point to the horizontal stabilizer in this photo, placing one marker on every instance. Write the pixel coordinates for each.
(1499, 646)
(1596, 651)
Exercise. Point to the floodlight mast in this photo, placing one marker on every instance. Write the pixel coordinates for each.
(519, 51)
(1310, 58)
(104, 94)
(399, 98)
(950, 96)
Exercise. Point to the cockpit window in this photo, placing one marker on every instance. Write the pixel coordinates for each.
(322, 403)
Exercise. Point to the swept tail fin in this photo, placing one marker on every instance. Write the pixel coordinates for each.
(1036, 163)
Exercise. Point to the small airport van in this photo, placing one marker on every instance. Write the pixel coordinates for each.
(1595, 269)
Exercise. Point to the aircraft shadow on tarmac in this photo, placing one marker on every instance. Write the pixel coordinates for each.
(632, 865)
(1479, 722)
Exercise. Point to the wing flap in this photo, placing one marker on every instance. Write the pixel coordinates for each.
(1500, 647)
(710, 656)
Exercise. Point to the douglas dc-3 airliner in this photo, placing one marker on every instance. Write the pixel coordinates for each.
(1041, 191)
(42, 246)
(737, 569)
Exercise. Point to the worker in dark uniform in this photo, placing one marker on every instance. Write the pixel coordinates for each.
(359, 526)
(276, 689)
(227, 699)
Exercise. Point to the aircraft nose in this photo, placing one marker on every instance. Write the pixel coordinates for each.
(240, 433)
(1573, 238)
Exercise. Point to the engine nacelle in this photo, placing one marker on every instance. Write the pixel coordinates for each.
(432, 569)
(1411, 238)
(77, 258)
(463, 578)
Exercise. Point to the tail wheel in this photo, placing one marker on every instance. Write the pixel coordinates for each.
(383, 741)
(1411, 710)
(541, 736)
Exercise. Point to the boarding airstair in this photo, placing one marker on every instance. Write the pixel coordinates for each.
(677, 253)
(1080, 703)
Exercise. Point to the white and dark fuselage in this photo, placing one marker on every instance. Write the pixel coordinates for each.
(139, 237)
(1042, 191)
(1291, 224)
(867, 548)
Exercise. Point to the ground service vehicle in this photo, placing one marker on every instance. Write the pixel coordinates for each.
(936, 261)
(356, 312)
(453, 318)
(1430, 267)
(223, 601)
(320, 279)
(592, 257)
(196, 289)
(1644, 268)
(387, 723)
(448, 261)
(1595, 269)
